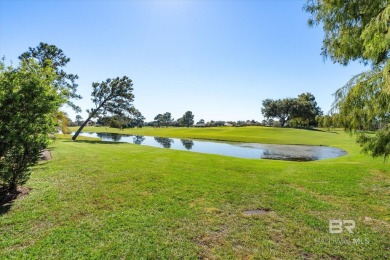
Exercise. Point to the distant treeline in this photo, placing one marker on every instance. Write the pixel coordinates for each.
(163, 120)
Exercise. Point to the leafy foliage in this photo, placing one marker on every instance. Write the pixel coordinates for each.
(135, 119)
(281, 108)
(158, 119)
(359, 30)
(378, 145)
(163, 119)
(28, 106)
(79, 119)
(62, 122)
(47, 55)
(187, 119)
(354, 30)
(329, 121)
(299, 112)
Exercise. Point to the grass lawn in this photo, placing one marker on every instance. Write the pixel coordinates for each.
(115, 200)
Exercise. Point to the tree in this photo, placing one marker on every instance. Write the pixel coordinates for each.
(163, 119)
(270, 108)
(200, 122)
(79, 120)
(300, 112)
(187, 119)
(329, 121)
(137, 119)
(131, 118)
(119, 121)
(114, 96)
(358, 30)
(167, 119)
(50, 56)
(213, 123)
(281, 108)
(285, 110)
(28, 106)
(159, 119)
(354, 30)
(62, 122)
(305, 111)
(102, 120)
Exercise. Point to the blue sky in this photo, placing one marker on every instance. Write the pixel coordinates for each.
(219, 59)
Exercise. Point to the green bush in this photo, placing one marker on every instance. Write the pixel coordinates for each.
(28, 104)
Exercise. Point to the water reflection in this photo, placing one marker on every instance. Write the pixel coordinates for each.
(236, 149)
(138, 139)
(109, 136)
(187, 143)
(165, 142)
(299, 157)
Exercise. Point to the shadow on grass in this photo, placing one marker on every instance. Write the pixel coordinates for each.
(93, 142)
(7, 198)
(315, 129)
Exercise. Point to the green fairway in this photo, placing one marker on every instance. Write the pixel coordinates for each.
(115, 200)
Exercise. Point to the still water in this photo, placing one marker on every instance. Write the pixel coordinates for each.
(235, 149)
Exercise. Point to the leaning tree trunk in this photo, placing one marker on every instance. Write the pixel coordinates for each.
(82, 126)
(92, 114)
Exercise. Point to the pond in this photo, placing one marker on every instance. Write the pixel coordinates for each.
(235, 149)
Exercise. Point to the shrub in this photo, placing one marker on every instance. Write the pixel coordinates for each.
(28, 104)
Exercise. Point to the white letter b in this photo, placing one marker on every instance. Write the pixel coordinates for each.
(335, 226)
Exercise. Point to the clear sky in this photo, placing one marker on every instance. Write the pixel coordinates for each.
(219, 59)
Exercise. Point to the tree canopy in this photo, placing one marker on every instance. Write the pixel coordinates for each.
(158, 119)
(47, 55)
(132, 119)
(359, 30)
(163, 119)
(354, 30)
(187, 119)
(281, 109)
(300, 112)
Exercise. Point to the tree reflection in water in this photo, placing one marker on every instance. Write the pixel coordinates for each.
(165, 142)
(138, 139)
(240, 150)
(108, 136)
(187, 143)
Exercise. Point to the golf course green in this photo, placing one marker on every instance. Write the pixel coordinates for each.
(100, 200)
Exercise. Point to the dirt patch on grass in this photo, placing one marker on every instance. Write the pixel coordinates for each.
(45, 155)
(209, 241)
(6, 196)
(255, 212)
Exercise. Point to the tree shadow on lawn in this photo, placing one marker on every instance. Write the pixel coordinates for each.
(315, 129)
(94, 142)
(7, 198)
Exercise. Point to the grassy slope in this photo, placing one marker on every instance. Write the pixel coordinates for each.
(102, 200)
